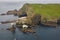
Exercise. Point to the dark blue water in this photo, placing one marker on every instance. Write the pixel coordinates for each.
(5, 34)
(42, 33)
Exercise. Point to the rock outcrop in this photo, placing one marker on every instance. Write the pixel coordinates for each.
(12, 12)
(58, 21)
(28, 31)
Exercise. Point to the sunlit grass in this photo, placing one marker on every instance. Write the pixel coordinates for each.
(47, 10)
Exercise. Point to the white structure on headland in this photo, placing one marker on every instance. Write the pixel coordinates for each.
(25, 26)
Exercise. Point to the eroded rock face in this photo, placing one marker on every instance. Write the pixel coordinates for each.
(23, 14)
(30, 20)
(51, 24)
(58, 21)
(12, 12)
(36, 19)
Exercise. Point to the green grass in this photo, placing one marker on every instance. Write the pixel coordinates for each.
(46, 10)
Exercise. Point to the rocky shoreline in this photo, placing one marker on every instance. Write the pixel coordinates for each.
(35, 20)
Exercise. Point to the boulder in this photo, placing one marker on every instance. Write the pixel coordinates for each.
(12, 29)
(23, 14)
(28, 30)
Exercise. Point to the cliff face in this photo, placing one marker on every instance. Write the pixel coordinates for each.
(27, 8)
(32, 18)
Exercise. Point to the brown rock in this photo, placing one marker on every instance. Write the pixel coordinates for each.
(28, 30)
(58, 21)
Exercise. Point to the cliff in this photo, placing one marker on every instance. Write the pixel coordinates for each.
(40, 13)
(48, 13)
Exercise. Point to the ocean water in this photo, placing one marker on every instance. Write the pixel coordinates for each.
(6, 6)
(42, 32)
(5, 34)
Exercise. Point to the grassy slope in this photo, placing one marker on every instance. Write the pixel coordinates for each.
(47, 10)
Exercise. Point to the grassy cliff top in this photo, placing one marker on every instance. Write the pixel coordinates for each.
(46, 10)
